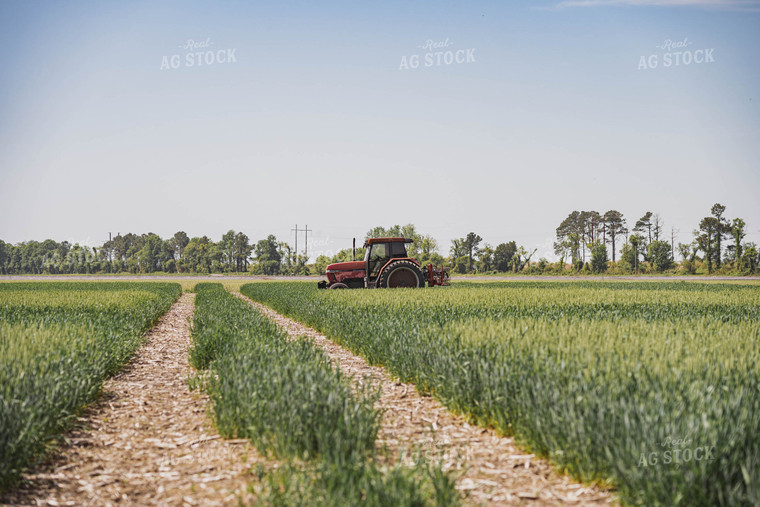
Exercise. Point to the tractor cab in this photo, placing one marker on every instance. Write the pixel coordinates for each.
(386, 264)
(379, 251)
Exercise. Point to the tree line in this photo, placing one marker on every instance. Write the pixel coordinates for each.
(717, 244)
(149, 253)
(592, 242)
(586, 242)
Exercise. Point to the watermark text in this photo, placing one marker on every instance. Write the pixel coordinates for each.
(197, 54)
(437, 54)
(676, 54)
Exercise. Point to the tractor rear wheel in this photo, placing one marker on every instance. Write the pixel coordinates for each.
(402, 274)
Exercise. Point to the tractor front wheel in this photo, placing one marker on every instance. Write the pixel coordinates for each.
(402, 274)
(339, 286)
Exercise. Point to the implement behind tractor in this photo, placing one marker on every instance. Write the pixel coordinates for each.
(385, 264)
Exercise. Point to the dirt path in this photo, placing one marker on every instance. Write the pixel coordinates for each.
(495, 471)
(147, 440)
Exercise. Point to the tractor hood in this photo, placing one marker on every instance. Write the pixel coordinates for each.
(345, 266)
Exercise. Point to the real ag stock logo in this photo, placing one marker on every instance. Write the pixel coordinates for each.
(676, 54)
(676, 452)
(437, 54)
(198, 54)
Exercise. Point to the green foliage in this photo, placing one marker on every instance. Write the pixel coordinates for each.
(367, 484)
(709, 229)
(288, 399)
(268, 257)
(689, 266)
(460, 264)
(283, 395)
(722, 229)
(569, 234)
(145, 253)
(58, 342)
(644, 227)
(630, 256)
(589, 374)
(485, 262)
(738, 233)
(428, 248)
(750, 259)
(236, 250)
(614, 226)
(660, 255)
(151, 253)
(578, 231)
(599, 258)
(347, 254)
(576, 236)
(320, 264)
(467, 248)
(503, 254)
(435, 259)
(201, 254)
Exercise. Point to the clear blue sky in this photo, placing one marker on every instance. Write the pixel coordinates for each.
(315, 123)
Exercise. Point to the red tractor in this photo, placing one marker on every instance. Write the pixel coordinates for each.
(385, 264)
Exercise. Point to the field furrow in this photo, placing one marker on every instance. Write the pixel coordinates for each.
(491, 469)
(147, 440)
(651, 388)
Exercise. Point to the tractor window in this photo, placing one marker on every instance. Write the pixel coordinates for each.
(377, 258)
(398, 250)
(379, 251)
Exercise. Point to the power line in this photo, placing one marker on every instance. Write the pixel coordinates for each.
(296, 231)
(306, 232)
(673, 232)
(306, 251)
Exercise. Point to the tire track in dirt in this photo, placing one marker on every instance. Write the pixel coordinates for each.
(492, 470)
(147, 440)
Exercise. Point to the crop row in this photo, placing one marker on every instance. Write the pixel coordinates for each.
(291, 402)
(58, 342)
(653, 388)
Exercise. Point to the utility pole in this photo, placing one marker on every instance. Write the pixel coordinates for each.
(673, 243)
(306, 231)
(306, 250)
(296, 249)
